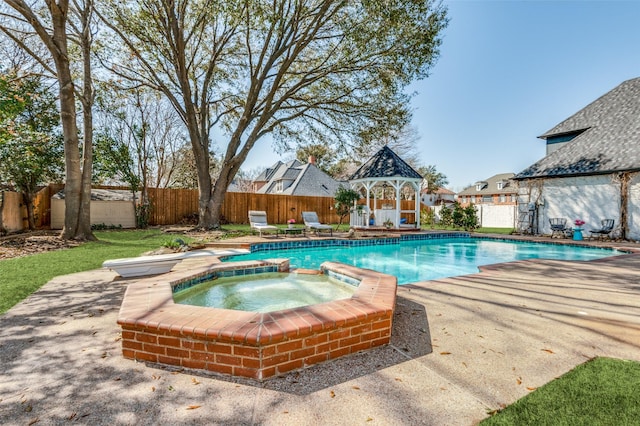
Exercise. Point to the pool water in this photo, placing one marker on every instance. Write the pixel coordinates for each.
(265, 292)
(423, 260)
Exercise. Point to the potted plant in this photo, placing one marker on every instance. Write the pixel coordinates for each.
(577, 231)
(388, 224)
(290, 222)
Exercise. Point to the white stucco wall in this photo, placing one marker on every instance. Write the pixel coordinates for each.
(590, 198)
(496, 215)
(633, 208)
(111, 213)
(491, 215)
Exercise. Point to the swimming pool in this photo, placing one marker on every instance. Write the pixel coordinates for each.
(423, 260)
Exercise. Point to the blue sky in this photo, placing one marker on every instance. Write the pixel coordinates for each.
(509, 71)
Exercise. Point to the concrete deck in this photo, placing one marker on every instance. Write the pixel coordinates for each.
(460, 346)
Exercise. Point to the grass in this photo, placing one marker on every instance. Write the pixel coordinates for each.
(603, 391)
(503, 231)
(22, 276)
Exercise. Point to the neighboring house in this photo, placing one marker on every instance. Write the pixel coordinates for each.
(498, 189)
(441, 196)
(591, 170)
(295, 178)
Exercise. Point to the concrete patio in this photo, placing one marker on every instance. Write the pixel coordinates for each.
(460, 347)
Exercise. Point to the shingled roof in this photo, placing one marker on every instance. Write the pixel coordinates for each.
(385, 164)
(608, 138)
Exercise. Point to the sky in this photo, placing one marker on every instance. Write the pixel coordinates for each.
(508, 71)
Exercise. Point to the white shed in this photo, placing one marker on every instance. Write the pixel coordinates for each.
(111, 207)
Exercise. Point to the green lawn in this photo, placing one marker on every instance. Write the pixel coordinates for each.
(503, 231)
(22, 276)
(602, 391)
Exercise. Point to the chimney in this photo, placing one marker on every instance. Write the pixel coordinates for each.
(312, 159)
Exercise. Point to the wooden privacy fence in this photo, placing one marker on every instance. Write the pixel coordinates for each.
(173, 206)
(14, 212)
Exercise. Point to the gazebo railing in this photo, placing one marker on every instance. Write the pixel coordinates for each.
(359, 217)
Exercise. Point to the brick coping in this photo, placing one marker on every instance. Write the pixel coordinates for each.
(250, 344)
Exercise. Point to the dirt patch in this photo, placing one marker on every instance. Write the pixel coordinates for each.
(25, 244)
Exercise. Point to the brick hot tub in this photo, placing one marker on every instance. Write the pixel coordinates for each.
(250, 344)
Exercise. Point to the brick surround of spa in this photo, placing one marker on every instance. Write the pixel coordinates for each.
(248, 344)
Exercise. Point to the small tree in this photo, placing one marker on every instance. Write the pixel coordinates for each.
(31, 149)
(446, 217)
(344, 199)
(458, 215)
(470, 219)
(428, 216)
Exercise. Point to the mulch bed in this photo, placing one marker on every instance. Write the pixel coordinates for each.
(24, 244)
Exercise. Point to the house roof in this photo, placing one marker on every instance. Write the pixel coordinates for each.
(609, 142)
(385, 164)
(439, 191)
(299, 179)
(490, 186)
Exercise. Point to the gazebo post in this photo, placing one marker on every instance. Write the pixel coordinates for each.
(368, 189)
(416, 196)
(397, 186)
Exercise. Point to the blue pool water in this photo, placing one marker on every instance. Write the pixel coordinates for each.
(421, 260)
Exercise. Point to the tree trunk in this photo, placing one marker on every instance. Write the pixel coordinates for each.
(27, 199)
(2, 230)
(77, 223)
(83, 231)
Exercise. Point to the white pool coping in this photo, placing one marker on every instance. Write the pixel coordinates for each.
(160, 263)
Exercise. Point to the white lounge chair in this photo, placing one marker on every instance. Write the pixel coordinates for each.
(312, 223)
(258, 222)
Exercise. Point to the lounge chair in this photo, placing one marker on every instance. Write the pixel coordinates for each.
(312, 223)
(559, 227)
(605, 229)
(258, 222)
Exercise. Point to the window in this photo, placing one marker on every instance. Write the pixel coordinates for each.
(503, 198)
(499, 185)
(487, 198)
(473, 199)
(513, 198)
(279, 186)
(464, 200)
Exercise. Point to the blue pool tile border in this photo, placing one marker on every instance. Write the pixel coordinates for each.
(283, 245)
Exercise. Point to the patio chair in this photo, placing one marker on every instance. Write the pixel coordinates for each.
(606, 227)
(559, 227)
(258, 222)
(312, 223)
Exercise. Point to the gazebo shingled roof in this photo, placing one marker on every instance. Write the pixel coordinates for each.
(385, 163)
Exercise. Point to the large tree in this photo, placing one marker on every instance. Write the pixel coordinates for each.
(321, 70)
(50, 23)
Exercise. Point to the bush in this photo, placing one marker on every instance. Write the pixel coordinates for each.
(428, 216)
(458, 215)
(470, 219)
(446, 217)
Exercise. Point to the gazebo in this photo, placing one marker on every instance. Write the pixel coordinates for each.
(382, 174)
